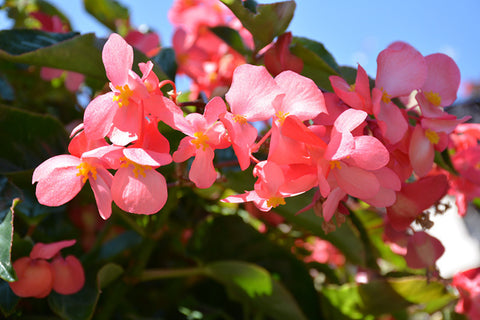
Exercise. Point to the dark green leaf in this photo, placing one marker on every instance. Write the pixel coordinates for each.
(443, 160)
(319, 64)
(8, 299)
(78, 306)
(6, 229)
(28, 139)
(108, 12)
(269, 21)
(253, 286)
(107, 274)
(66, 51)
(232, 38)
(165, 59)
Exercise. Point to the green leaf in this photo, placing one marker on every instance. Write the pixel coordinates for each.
(66, 51)
(78, 306)
(8, 299)
(232, 38)
(28, 139)
(165, 59)
(443, 160)
(6, 230)
(268, 22)
(253, 286)
(108, 12)
(107, 274)
(319, 64)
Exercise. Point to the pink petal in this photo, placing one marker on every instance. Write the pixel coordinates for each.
(369, 153)
(48, 251)
(68, 275)
(185, 150)
(214, 109)
(117, 57)
(302, 96)
(357, 182)
(421, 152)
(147, 157)
(35, 278)
(252, 93)
(341, 145)
(59, 187)
(400, 69)
(330, 205)
(391, 120)
(443, 77)
(99, 115)
(44, 170)
(142, 194)
(349, 120)
(73, 80)
(202, 172)
(294, 128)
(284, 150)
(423, 250)
(101, 190)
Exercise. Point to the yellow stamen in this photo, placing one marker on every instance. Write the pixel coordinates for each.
(275, 201)
(335, 164)
(477, 166)
(352, 87)
(138, 169)
(432, 136)
(84, 169)
(240, 119)
(123, 96)
(385, 96)
(434, 98)
(281, 116)
(201, 140)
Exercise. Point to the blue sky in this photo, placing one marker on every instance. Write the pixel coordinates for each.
(354, 32)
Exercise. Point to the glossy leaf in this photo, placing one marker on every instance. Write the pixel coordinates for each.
(109, 12)
(319, 64)
(165, 59)
(66, 51)
(8, 201)
(28, 139)
(78, 306)
(269, 21)
(8, 299)
(231, 37)
(253, 285)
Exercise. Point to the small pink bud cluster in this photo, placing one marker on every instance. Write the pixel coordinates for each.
(37, 277)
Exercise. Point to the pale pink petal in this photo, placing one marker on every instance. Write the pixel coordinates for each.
(49, 250)
(73, 80)
(388, 178)
(341, 145)
(117, 57)
(356, 182)
(147, 157)
(139, 194)
(202, 172)
(59, 187)
(384, 198)
(421, 152)
(252, 93)
(400, 69)
(214, 109)
(44, 170)
(185, 150)
(443, 77)
(99, 115)
(349, 120)
(330, 205)
(302, 96)
(446, 124)
(391, 120)
(101, 189)
(369, 153)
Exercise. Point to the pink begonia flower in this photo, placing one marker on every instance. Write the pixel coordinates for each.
(278, 57)
(465, 135)
(148, 43)
(37, 277)
(136, 186)
(117, 114)
(413, 199)
(400, 70)
(468, 285)
(423, 250)
(322, 251)
(204, 135)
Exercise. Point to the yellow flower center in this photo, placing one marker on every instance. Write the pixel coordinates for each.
(335, 164)
(281, 116)
(84, 169)
(352, 87)
(240, 119)
(138, 169)
(434, 98)
(432, 136)
(122, 97)
(275, 201)
(385, 96)
(201, 140)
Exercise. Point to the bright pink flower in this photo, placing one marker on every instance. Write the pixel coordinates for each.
(204, 135)
(37, 277)
(356, 96)
(468, 285)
